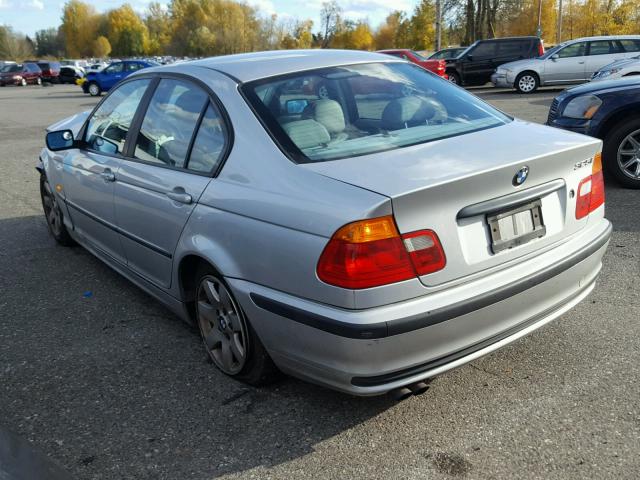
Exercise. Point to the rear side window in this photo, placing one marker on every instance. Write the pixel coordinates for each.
(108, 126)
(484, 50)
(602, 47)
(630, 45)
(573, 50)
(169, 123)
(133, 67)
(209, 144)
(515, 48)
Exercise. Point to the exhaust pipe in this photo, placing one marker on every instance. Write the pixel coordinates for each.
(418, 388)
(403, 393)
(400, 394)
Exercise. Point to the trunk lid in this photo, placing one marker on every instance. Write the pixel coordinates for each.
(452, 185)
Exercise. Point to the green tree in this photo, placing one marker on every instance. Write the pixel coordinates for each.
(49, 42)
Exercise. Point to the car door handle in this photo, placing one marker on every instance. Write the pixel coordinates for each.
(580, 63)
(108, 175)
(179, 195)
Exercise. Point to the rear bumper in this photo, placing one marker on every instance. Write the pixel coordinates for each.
(372, 351)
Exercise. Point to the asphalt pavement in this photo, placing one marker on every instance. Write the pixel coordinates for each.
(108, 384)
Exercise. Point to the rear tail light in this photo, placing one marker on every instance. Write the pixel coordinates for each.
(540, 48)
(591, 190)
(442, 67)
(370, 253)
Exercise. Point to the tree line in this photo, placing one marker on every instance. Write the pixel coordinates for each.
(197, 28)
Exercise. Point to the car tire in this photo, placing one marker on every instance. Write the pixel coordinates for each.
(454, 78)
(23, 82)
(229, 339)
(94, 89)
(53, 214)
(624, 167)
(527, 82)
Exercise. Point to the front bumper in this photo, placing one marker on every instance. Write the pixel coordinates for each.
(576, 125)
(372, 351)
(501, 80)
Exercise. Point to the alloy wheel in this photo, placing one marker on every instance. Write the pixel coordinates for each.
(93, 89)
(629, 155)
(23, 82)
(39, 81)
(51, 210)
(222, 326)
(527, 83)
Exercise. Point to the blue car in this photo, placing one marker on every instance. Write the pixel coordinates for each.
(102, 81)
(607, 110)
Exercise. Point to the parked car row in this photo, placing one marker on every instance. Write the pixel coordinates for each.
(20, 74)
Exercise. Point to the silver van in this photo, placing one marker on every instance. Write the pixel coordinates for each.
(570, 62)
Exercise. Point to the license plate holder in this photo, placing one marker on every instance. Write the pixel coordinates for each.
(516, 226)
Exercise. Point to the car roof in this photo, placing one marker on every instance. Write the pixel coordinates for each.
(246, 67)
(604, 37)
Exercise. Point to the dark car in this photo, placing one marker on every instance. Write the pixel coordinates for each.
(20, 74)
(447, 53)
(476, 64)
(609, 110)
(70, 74)
(102, 81)
(50, 71)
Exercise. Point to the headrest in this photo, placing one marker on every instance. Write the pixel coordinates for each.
(306, 133)
(406, 112)
(329, 113)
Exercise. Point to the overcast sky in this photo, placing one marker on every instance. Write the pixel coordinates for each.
(28, 16)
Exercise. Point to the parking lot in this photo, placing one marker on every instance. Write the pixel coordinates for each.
(109, 384)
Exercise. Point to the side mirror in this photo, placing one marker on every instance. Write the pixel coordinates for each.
(295, 107)
(104, 145)
(555, 56)
(470, 57)
(60, 140)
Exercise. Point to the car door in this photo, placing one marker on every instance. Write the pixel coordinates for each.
(478, 65)
(567, 65)
(601, 53)
(89, 173)
(160, 182)
(111, 75)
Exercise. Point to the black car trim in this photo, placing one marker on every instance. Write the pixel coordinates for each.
(377, 380)
(433, 317)
(116, 229)
(511, 200)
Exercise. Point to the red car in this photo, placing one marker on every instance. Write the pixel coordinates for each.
(20, 74)
(436, 66)
(50, 71)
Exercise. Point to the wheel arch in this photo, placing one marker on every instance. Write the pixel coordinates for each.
(188, 267)
(615, 117)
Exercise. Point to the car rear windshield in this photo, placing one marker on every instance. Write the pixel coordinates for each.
(347, 111)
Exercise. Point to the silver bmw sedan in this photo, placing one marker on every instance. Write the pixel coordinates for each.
(344, 217)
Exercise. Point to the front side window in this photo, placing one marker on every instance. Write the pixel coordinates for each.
(345, 111)
(115, 68)
(133, 67)
(573, 50)
(108, 126)
(169, 123)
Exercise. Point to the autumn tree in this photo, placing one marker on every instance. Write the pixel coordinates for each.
(126, 32)
(158, 24)
(101, 47)
(14, 46)
(79, 25)
(330, 20)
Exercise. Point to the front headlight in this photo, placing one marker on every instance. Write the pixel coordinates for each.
(17, 77)
(583, 107)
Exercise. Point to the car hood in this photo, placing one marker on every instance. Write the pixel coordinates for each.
(604, 86)
(521, 64)
(73, 123)
(625, 62)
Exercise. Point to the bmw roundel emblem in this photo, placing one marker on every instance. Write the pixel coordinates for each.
(520, 177)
